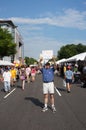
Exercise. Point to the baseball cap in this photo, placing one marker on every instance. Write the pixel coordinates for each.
(69, 67)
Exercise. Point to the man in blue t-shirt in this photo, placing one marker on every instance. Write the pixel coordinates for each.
(48, 85)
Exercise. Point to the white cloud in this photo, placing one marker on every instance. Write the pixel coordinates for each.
(69, 18)
(35, 45)
(35, 42)
(84, 3)
(34, 39)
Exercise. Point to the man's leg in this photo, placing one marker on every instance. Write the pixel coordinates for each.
(45, 102)
(5, 86)
(52, 102)
(9, 86)
(52, 99)
(68, 87)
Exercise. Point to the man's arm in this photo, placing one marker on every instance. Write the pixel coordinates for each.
(40, 63)
(54, 61)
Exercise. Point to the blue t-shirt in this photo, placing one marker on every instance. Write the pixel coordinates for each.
(69, 74)
(48, 74)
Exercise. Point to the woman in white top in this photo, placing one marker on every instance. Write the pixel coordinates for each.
(7, 80)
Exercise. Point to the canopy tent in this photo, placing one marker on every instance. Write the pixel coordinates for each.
(81, 56)
(6, 63)
(61, 61)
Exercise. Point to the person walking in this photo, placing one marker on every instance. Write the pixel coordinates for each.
(28, 72)
(7, 80)
(23, 76)
(48, 85)
(64, 69)
(69, 76)
(13, 72)
(33, 73)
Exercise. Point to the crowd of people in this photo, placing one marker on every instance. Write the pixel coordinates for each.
(78, 72)
(10, 74)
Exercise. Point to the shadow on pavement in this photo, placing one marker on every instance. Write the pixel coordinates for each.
(61, 89)
(19, 86)
(35, 101)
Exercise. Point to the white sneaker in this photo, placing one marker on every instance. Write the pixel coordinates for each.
(44, 109)
(54, 109)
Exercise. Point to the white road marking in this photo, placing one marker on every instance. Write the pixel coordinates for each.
(58, 92)
(10, 93)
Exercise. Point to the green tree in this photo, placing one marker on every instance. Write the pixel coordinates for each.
(80, 48)
(70, 50)
(30, 61)
(7, 46)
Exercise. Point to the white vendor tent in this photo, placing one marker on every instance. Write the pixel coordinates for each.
(6, 63)
(61, 61)
(81, 56)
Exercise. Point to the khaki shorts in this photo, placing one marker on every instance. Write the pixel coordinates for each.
(13, 79)
(48, 88)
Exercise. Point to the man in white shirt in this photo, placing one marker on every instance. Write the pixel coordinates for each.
(7, 80)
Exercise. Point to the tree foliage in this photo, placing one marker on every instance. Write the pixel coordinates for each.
(30, 61)
(71, 50)
(7, 46)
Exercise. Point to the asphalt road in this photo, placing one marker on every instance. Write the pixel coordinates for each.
(21, 110)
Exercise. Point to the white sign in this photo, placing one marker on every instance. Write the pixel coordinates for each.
(47, 54)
